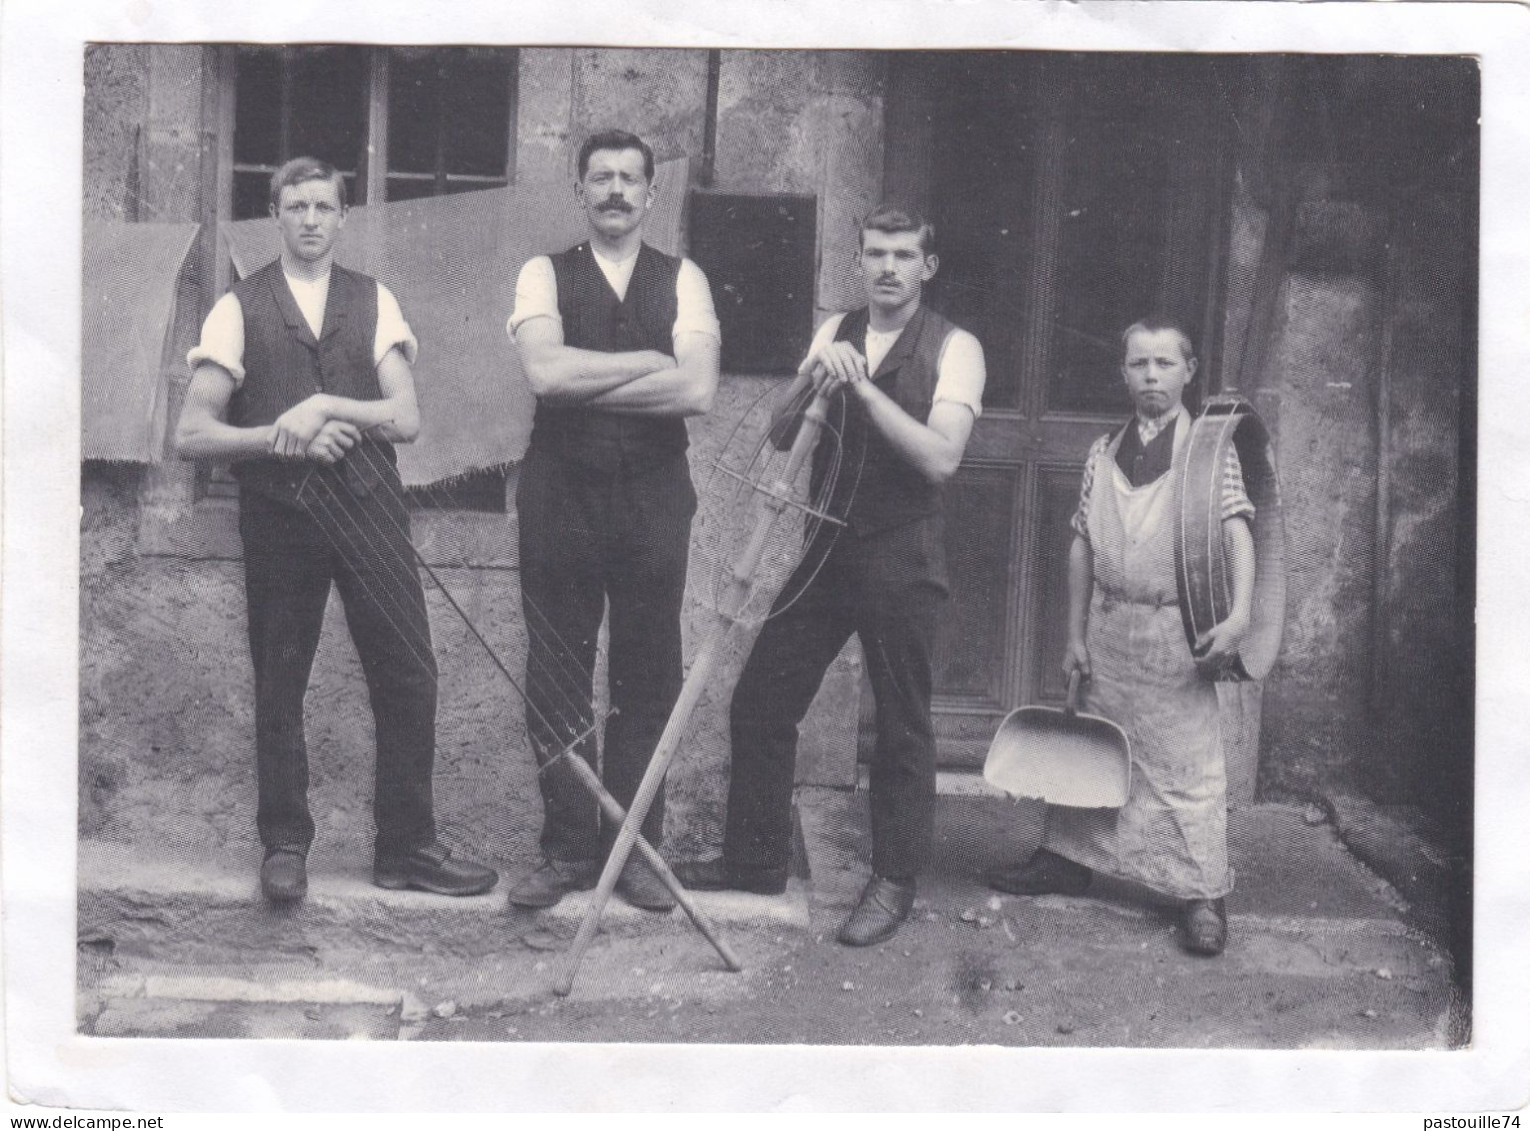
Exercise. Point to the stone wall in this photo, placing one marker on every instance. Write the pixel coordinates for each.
(1367, 371)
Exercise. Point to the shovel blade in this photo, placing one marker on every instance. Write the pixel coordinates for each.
(1082, 761)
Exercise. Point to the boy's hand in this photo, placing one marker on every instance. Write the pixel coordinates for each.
(1222, 640)
(1076, 658)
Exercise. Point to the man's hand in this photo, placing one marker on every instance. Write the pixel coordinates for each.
(837, 365)
(1076, 659)
(1222, 640)
(333, 441)
(297, 428)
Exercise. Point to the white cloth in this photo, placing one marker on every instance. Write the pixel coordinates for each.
(222, 341)
(536, 294)
(961, 375)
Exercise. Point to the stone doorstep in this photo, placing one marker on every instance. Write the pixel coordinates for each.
(146, 902)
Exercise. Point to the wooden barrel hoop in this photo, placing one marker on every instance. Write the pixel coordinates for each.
(1200, 561)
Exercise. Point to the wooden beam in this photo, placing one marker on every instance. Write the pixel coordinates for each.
(376, 169)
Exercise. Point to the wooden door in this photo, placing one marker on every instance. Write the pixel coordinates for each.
(1071, 195)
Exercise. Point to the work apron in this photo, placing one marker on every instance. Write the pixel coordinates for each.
(1171, 835)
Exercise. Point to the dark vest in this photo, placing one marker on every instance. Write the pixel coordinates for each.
(890, 491)
(594, 319)
(285, 364)
(1142, 463)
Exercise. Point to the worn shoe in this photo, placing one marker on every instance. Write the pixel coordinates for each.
(1045, 873)
(554, 879)
(432, 868)
(718, 875)
(1205, 926)
(640, 886)
(284, 875)
(883, 907)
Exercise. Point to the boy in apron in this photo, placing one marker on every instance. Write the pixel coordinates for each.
(1126, 640)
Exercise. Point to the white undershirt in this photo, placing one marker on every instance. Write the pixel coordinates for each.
(311, 296)
(962, 372)
(536, 294)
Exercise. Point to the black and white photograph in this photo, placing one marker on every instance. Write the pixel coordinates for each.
(924, 568)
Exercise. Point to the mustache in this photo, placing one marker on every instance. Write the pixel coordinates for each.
(614, 204)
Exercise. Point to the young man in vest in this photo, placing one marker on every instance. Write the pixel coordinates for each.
(620, 344)
(907, 387)
(303, 373)
(1126, 640)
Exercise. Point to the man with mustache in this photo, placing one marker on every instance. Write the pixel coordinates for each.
(906, 386)
(620, 344)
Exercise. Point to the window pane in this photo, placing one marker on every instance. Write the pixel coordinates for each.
(328, 105)
(410, 188)
(413, 116)
(476, 110)
(1113, 214)
(258, 106)
(449, 116)
(251, 195)
(985, 169)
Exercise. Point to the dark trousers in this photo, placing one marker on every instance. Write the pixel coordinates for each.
(291, 556)
(886, 588)
(590, 538)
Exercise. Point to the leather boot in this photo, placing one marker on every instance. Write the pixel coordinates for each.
(640, 886)
(883, 907)
(284, 875)
(1205, 926)
(554, 879)
(718, 875)
(1045, 873)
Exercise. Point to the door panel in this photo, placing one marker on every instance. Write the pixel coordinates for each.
(1071, 194)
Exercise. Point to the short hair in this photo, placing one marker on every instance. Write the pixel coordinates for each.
(1158, 323)
(301, 170)
(618, 140)
(893, 218)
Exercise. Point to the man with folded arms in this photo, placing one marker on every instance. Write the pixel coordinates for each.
(620, 344)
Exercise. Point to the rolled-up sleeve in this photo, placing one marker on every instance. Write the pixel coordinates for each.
(536, 294)
(392, 330)
(1080, 521)
(222, 341)
(963, 372)
(1235, 500)
(694, 312)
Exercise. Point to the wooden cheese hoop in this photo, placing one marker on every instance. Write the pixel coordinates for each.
(1201, 568)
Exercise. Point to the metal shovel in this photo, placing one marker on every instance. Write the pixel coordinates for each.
(1061, 756)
